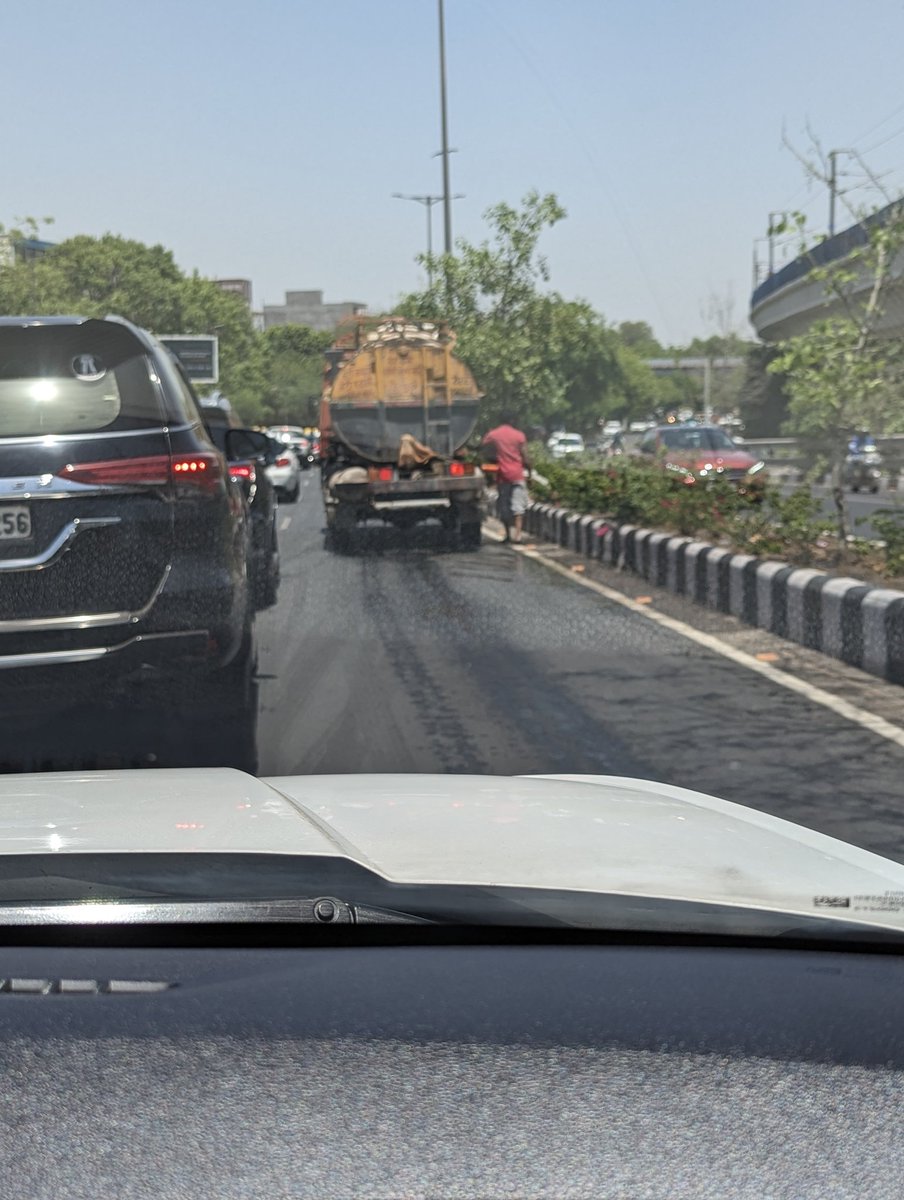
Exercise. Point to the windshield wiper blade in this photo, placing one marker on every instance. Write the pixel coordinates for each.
(320, 910)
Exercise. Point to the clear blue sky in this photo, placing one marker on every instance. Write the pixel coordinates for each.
(264, 139)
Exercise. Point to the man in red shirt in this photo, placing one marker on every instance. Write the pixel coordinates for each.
(508, 445)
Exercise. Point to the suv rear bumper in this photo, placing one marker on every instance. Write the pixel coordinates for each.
(142, 649)
(129, 672)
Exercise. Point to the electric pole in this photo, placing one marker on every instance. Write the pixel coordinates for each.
(428, 203)
(447, 196)
(833, 185)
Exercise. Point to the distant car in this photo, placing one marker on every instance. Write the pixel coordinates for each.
(304, 443)
(560, 445)
(640, 426)
(700, 452)
(284, 472)
(611, 428)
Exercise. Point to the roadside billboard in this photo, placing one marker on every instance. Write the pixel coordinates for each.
(197, 352)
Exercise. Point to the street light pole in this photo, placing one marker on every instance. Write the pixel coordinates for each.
(428, 203)
(447, 197)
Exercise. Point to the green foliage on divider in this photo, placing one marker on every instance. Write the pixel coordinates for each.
(788, 527)
(889, 524)
(629, 491)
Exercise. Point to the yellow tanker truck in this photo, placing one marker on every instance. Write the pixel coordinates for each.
(397, 409)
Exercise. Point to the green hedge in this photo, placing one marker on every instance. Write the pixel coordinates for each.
(630, 491)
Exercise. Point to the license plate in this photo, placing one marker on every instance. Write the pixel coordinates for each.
(15, 524)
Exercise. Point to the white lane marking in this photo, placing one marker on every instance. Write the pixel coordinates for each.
(843, 708)
(285, 523)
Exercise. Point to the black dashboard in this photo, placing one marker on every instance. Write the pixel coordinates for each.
(266, 1063)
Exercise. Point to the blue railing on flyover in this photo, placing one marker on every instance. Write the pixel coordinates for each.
(833, 248)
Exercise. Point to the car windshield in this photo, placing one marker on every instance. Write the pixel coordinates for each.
(369, 386)
(696, 439)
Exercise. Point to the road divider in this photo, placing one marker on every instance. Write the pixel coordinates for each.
(844, 618)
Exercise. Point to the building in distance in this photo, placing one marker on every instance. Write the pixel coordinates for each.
(239, 287)
(308, 308)
(21, 249)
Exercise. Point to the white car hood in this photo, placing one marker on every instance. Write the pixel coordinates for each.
(586, 833)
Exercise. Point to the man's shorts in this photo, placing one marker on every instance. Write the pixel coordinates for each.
(513, 501)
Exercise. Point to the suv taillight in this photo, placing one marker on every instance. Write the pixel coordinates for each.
(203, 471)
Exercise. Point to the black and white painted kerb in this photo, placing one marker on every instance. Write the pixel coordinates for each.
(845, 618)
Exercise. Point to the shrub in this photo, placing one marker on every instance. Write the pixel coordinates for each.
(781, 526)
(889, 524)
(634, 492)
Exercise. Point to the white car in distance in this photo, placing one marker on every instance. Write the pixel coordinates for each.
(285, 473)
(561, 445)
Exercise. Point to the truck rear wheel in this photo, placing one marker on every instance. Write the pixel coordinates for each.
(468, 527)
(339, 526)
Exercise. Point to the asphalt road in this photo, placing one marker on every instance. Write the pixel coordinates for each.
(409, 657)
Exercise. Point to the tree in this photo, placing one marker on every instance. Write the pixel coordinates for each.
(293, 364)
(545, 358)
(842, 374)
(639, 336)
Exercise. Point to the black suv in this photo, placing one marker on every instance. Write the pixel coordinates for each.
(123, 551)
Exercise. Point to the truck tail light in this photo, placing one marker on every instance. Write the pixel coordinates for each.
(458, 469)
(381, 474)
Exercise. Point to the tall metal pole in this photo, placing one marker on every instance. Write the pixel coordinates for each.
(708, 390)
(429, 208)
(833, 187)
(447, 191)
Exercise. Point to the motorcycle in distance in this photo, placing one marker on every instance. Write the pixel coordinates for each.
(862, 466)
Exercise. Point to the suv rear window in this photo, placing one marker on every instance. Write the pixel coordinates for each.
(58, 380)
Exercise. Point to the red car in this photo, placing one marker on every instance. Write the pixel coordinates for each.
(704, 452)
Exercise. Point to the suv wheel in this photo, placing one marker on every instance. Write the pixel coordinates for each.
(221, 727)
(266, 578)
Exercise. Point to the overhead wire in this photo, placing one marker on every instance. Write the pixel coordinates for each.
(859, 137)
(879, 124)
(542, 77)
(891, 137)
